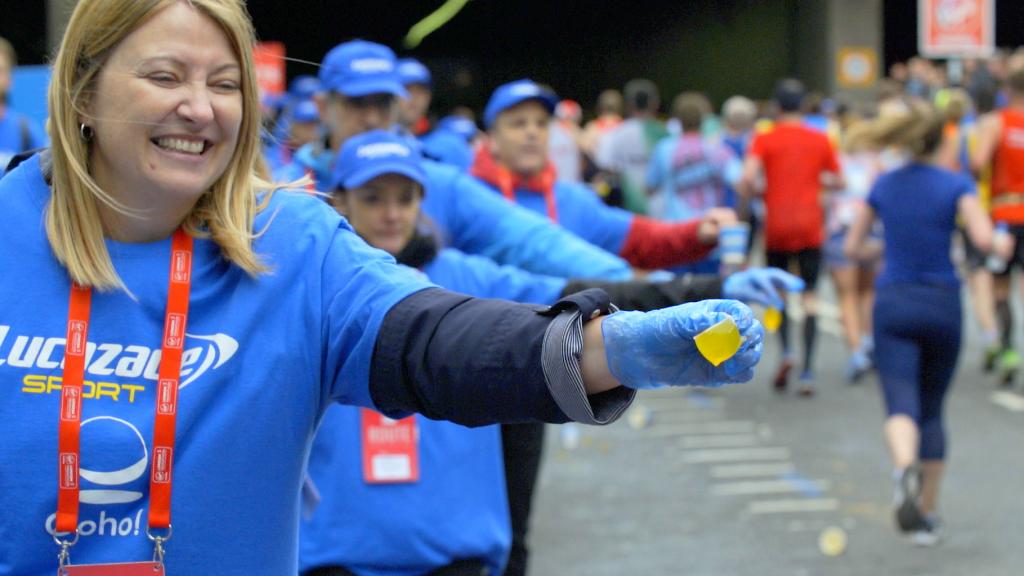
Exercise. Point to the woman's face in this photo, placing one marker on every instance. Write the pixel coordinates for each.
(166, 110)
(384, 211)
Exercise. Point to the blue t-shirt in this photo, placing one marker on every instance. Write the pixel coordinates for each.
(458, 509)
(263, 359)
(918, 205)
(18, 134)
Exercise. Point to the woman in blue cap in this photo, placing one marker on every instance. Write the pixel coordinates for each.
(451, 516)
(172, 328)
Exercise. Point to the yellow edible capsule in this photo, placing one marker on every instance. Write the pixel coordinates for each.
(832, 541)
(772, 319)
(719, 342)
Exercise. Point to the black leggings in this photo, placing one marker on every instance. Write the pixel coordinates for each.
(917, 342)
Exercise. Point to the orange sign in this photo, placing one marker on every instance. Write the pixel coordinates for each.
(857, 66)
(269, 59)
(956, 28)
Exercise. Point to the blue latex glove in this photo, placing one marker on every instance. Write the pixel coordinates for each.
(761, 286)
(655, 349)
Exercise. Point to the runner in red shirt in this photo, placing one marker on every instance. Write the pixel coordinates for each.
(1001, 146)
(795, 163)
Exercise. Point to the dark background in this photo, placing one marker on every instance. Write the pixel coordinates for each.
(578, 47)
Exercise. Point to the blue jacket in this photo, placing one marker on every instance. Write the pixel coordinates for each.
(458, 509)
(581, 212)
(473, 220)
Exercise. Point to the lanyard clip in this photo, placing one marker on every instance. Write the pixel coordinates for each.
(158, 542)
(64, 557)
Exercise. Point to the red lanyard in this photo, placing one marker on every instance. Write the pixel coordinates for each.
(166, 393)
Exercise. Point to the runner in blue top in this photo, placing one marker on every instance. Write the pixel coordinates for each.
(514, 162)
(917, 311)
(454, 514)
(287, 311)
(360, 85)
(17, 132)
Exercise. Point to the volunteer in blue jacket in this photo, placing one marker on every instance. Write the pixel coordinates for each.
(448, 515)
(210, 321)
(419, 88)
(295, 123)
(451, 142)
(515, 163)
(17, 132)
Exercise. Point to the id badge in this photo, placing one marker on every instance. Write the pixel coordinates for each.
(390, 449)
(123, 569)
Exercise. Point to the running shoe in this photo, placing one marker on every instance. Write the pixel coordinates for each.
(857, 367)
(908, 489)
(1008, 364)
(806, 389)
(929, 534)
(782, 376)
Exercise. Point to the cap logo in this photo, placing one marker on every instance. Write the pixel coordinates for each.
(371, 65)
(379, 149)
(524, 90)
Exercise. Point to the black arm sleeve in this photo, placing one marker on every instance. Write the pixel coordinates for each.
(475, 361)
(640, 295)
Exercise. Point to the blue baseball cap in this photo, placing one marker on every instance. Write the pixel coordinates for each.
(458, 125)
(306, 111)
(303, 87)
(375, 153)
(360, 68)
(513, 93)
(412, 71)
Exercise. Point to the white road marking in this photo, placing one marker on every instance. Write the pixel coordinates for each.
(789, 506)
(720, 441)
(768, 487)
(734, 455)
(730, 471)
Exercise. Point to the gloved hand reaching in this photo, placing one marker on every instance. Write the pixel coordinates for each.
(655, 349)
(761, 286)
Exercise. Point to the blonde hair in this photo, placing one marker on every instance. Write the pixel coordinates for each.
(916, 127)
(225, 213)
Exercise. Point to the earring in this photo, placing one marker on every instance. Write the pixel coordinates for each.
(86, 131)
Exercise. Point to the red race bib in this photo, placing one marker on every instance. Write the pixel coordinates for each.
(125, 569)
(390, 449)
